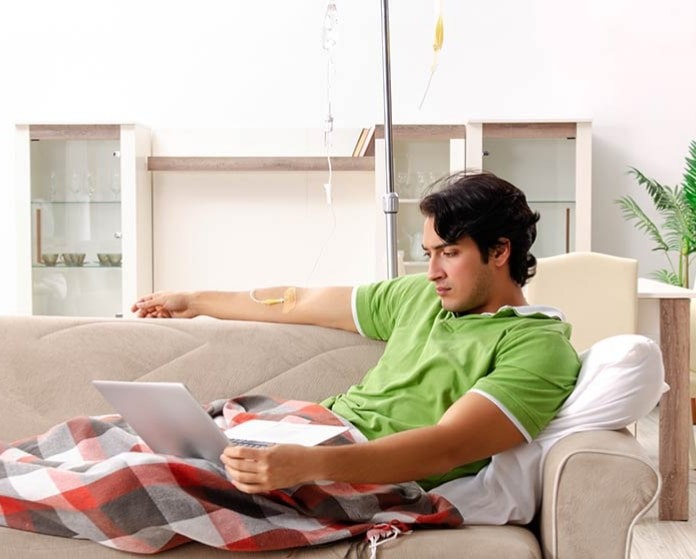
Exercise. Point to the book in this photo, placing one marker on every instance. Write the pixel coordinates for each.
(369, 144)
(359, 143)
(366, 143)
(263, 430)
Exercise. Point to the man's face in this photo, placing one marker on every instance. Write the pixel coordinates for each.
(462, 280)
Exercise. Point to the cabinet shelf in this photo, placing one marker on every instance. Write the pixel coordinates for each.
(527, 130)
(173, 163)
(74, 132)
(89, 265)
(423, 131)
(567, 202)
(75, 203)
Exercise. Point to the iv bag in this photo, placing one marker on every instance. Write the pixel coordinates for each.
(330, 31)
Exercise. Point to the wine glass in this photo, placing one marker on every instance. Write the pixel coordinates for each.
(75, 185)
(402, 183)
(52, 186)
(421, 182)
(89, 185)
(115, 185)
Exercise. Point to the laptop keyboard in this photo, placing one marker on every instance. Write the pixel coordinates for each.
(252, 444)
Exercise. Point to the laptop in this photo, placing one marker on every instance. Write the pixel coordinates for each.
(171, 421)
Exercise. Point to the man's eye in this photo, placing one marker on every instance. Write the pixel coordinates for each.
(426, 255)
(449, 253)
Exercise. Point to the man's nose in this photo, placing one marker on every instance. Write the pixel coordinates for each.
(434, 269)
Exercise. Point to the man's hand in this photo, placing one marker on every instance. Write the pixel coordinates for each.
(256, 470)
(164, 304)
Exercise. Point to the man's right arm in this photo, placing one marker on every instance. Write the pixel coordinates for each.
(323, 306)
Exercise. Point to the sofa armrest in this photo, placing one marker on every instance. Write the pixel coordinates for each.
(596, 485)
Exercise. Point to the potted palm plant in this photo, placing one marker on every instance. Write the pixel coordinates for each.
(676, 235)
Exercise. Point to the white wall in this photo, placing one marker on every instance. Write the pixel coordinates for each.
(626, 64)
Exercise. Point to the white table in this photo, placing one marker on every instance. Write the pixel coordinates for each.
(675, 417)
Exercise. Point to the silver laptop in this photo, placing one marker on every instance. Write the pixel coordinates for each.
(167, 417)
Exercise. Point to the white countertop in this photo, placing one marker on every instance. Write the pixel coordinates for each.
(653, 289)
(531, 120)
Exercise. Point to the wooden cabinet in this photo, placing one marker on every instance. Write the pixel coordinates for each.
(551, 161)
(84, 218)
(89, 189)
(422, 154)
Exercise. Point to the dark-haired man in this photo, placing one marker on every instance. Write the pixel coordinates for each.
(468, 371)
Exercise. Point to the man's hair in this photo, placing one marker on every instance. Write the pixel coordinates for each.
(487, 209)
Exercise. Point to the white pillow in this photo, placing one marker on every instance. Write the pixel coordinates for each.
(621, 380)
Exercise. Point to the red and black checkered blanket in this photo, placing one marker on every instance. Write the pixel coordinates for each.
(94, 478)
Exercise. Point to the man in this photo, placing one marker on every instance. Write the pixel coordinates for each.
(468, 370)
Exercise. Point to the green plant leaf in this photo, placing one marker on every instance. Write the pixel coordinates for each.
(666, 276)
(660, 194)
(678, 224)
(690, 179)
(689, 186)
(676, 234)
(632, 211)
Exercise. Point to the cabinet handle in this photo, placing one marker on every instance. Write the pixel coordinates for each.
(39, 259)
(118, 235)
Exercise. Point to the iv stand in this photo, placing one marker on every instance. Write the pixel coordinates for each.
(390, 199)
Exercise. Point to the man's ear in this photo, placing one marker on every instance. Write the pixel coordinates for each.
(500, 253)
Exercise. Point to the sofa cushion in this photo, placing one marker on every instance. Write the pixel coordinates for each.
(473, 542)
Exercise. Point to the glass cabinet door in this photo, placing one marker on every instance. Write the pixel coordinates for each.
(551, 162)
(544, 168)
(76, 227)
(423, 154)
(417, 165)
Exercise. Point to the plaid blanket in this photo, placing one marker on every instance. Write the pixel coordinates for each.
(94, 478)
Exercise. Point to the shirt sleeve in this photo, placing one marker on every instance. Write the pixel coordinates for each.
(535, 370)
(376, 306)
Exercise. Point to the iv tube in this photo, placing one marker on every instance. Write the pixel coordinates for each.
(328, 41)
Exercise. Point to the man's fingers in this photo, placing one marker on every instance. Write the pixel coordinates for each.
(146, 302)
(243, 466)
(150, 307)
(245, 474)
(246, 452)
(248, 478)
(249, 488)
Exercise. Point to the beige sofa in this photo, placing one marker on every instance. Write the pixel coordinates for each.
(595, 484)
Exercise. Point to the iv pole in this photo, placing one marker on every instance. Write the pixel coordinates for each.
(390, 199)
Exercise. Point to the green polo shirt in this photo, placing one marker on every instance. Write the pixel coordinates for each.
(523, 363)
